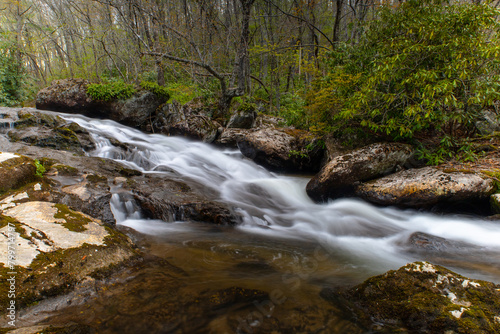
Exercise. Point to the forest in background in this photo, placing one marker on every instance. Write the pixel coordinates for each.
(395, 68)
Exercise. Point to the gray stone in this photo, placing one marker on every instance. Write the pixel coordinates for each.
(340, 175)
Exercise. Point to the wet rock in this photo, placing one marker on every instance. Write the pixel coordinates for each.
(283, 150)
(425, 187)
(15, 171)
(423, 242)
(45, 130)
(422, 298)
(340, 175)
(175, 201)
(183, 120)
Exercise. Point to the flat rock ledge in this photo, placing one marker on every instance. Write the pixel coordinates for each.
(421, 298)
(424, 187)
(340, 175)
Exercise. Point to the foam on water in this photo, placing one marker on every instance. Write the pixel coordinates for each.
(278, 206)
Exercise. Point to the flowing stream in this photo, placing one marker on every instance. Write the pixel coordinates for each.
(337, 243)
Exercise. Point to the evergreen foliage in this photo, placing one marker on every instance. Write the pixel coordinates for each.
(422, 66)
(110, 90)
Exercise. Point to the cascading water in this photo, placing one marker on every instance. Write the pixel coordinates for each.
(277, 206)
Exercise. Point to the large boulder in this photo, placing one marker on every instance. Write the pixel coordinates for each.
(67, 95)
(421, 298)
(169, 200)
(70, 96)
(283, 150)
(339, 177)
(425, 187)
(184, 120)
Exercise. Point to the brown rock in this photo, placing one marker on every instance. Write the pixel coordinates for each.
(339, 176)
(283, 150)
(426, 187)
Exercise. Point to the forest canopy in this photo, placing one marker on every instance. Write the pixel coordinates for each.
(396, 69)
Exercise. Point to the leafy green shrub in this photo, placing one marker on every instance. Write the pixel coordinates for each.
(423, 66)
(156, 89)
(292, 110)
(40, 170)
(183, 93)
(112, 90)
(12, 76)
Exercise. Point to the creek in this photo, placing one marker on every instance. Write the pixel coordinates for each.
(286, 245)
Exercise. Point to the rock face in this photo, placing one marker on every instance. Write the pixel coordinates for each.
(283, 150)
(422, 298)
(339, 176)
(175, 119)
(425, 187)
(175, 201)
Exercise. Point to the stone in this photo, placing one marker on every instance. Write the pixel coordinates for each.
(339, 177)
(183, 120)
(425, 187)
(495, 203)
(15, 171)
(67, 95)
(170, 201)
(243, 119)
(283, 150)
(421, 298)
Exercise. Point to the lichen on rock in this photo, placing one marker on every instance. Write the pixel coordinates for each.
(422, 298)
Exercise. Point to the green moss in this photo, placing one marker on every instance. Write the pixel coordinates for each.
(74, 221)
(96, 178)
(66, 170)
(129, 172)
(109, 91)
(153, 87)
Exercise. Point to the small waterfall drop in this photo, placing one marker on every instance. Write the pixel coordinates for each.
(277, 206)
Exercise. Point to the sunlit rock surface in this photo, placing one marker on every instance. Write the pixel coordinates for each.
(426, 186)
(422, 298)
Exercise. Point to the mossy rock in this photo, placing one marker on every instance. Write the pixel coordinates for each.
(16, 171)
(422, 298)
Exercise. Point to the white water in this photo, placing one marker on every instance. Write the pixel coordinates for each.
(277, 206)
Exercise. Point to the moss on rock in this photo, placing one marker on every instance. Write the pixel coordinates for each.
(425, 298)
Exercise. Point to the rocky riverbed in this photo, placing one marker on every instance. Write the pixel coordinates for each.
(56, 209)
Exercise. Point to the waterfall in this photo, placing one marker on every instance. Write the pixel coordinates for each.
(277, 206)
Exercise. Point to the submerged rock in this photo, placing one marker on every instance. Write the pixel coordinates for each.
(424, 187)
(283, 150)
(422, 298)
(339, 176)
